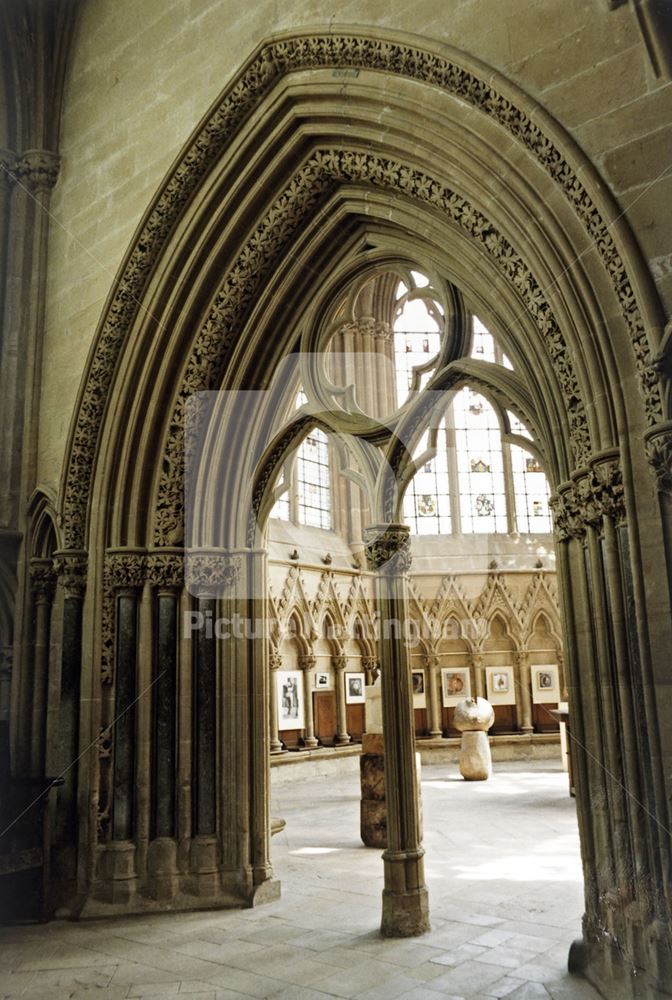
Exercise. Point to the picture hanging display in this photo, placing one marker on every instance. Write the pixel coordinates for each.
(545, 684)
(455, 685)
(290, 699)
(419, 695)
(354, 688)
(500, 685)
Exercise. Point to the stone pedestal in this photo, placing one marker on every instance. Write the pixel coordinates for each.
(373, 809)
(475, 757)
(473, 717)
(373, 815)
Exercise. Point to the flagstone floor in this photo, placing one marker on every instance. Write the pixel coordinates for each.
(504, 879)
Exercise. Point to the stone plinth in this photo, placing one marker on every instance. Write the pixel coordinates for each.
(473, 717)
(373, 808)
(373, 814)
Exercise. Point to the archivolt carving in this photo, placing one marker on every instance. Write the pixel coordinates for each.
(319, 175)
(338, 50)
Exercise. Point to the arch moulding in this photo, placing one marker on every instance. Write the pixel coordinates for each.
(355, 50)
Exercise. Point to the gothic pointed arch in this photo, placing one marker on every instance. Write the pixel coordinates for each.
(258, 229)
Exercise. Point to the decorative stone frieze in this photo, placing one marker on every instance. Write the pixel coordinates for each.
(42, 578)
(377, 329)
(165, 570)
(608, 491)
(38, 169)
(70, 566)
(274, 60)
(595, 493)
(659, 453)
(125, 570)
(388, 548)
(211, 574)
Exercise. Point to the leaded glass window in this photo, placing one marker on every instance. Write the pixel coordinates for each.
(313, 481)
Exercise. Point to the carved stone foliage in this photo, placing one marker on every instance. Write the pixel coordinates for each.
(38, 169)
(42, 579)
(388, 548)
(320, 175)
(659, 454)
(71, 572)
(121, 571)
(368, 326)
(211, 574)
(279, 57)
(125, 570)
(166, 570)
(597, 494)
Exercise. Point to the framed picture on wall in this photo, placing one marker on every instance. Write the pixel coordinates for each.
(322, 681)
(354, 688)
(419, 695)
(500, 685)
(545, 684)
(291, 714)
(455, 685)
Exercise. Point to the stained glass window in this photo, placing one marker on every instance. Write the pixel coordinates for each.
(531, 493)
(480, 465)
(427, 500)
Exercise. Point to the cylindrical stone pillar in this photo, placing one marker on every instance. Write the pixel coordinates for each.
(274, 664)
(433, 696)
(523, 664)
(42, 589)
(306, 663)
(405, 899)
(342, 737)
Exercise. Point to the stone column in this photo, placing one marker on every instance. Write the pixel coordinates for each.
(42, 579)
(433, 695)
(306, 663)
(405, 898)
(342, 737)
(62, 758)
(32, 175)
(522, 658)
(371, 668)
(479, 674)
(274, 664)
(166, 578)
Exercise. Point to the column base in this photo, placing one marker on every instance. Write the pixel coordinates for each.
(435, 734)
(342, 739)
(310, 743)
(405, 914)
(276, 747)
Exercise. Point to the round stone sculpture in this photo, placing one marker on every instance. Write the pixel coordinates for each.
(473, 717)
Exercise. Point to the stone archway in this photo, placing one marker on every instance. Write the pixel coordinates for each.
(267, 213)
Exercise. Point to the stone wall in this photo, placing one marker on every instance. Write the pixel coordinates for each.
(142, 76)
